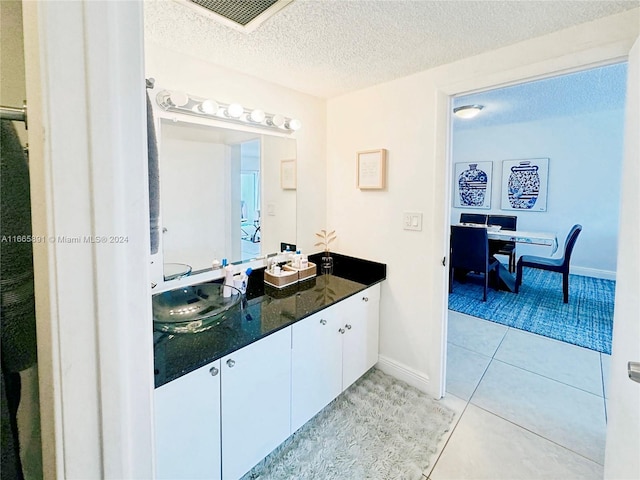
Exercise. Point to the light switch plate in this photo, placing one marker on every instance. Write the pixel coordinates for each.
(412, 221)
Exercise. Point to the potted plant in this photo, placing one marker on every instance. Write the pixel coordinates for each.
(326, 265)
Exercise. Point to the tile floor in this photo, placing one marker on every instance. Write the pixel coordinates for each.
(529, 407)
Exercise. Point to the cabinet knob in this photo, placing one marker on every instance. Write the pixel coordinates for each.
(323, 322)
(365, 299)
(214, 371)
(341, 330)
(231, 363)
(347, 326)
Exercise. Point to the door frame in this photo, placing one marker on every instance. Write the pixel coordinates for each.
(84, 65)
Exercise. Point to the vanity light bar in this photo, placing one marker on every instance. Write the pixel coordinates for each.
(175, 101)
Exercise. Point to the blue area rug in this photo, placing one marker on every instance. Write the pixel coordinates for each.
(586, 321)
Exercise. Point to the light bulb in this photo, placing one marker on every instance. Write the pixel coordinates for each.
(178, 99)
(235, 110)
(293, 124)
(209, 107)
(257, 116)
(276, 121)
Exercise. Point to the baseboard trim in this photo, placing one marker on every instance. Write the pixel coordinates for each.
(593, 272)
(405, 373)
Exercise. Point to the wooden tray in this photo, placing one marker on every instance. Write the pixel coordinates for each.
(284, 279)
(304, 273)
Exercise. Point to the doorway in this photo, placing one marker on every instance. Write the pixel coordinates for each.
(490, 364)
(250, 198)
(568, 123)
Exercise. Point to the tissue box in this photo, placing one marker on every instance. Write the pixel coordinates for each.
(281, 280)
(303, 273)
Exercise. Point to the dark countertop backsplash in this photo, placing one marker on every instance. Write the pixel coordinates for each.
(264, 310)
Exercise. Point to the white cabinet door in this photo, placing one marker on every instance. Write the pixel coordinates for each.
(187, 426)
(360, 316)
(316, 369)
(256, 402)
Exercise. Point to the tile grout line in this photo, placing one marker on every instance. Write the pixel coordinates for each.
(604, 391)
(446, 443)
(545, 377)
(468, 402)
(549, 378)
(538, 435)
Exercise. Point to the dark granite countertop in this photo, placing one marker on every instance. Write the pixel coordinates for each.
(265, 310)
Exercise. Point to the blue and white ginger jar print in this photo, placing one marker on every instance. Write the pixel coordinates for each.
(524, 186)
(472, 185)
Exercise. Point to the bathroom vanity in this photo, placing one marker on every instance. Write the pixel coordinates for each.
(227, 396)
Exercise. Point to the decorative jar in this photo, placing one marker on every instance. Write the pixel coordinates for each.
(472, 185)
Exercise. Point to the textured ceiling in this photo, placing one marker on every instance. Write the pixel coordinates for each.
(588, 91)
(330, 47)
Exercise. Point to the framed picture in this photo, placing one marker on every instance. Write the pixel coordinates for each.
(371, 169)
(288, 174)
(472, 185)
(524, 184)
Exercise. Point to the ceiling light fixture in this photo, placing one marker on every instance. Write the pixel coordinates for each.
(257, 116)
(234, 110)
(175, 101)
(276, 121)
(467, 111)
(293, 124)
(209, 106)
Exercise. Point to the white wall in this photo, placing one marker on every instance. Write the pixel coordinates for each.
(180, 72)
(409, 117)
(585, 162)
(278, 204)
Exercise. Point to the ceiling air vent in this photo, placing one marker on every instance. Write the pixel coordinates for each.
(244, 15)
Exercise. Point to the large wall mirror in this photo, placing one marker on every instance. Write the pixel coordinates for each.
(222, 195)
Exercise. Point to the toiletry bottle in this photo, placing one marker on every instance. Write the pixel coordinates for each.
(304, 262)
(288, 255)
(245, 279)
(227, 291)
